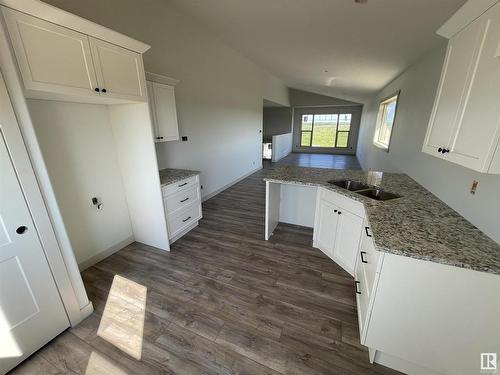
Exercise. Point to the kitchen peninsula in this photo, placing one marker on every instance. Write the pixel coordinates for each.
(421, 270)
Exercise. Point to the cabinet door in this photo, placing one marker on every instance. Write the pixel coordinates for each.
(165, 112)
(458, 67)
(476, 135)
(151, 103)
(51, 58)
(325, 228)
(347, 243)
(120, 72)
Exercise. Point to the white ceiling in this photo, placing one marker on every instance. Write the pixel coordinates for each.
(362, 46)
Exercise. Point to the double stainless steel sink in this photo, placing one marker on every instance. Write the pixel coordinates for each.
(365, 190)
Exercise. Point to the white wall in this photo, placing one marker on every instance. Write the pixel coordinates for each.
(282, 146)
(449, 182)
(78, 147)
(276, 120)
(219, 97)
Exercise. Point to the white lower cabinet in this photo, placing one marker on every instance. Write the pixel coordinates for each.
(428, 318)
(422, 317)
(182, 201)
(338, 226)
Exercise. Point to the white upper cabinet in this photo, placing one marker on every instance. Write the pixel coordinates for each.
(59, 63)
(464, 124)
(51, 57)
(163, 108)
(120, 72)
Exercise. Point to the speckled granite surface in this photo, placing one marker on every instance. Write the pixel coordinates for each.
(417, 225)
(170, 175)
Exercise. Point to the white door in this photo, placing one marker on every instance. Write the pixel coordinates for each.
(31, 311)
(51, 57)
(348, 236)
(120, 72)
(325, 227)
(455, 78)
(166, 112)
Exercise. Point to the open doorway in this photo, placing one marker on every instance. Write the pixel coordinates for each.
(277, 131)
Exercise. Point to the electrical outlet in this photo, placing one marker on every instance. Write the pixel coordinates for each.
(473, 188)
(184, 138)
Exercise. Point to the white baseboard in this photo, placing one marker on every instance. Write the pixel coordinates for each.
(105, 253)
(213, 194)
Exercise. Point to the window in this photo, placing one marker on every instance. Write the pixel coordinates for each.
(325, 130)
(385, 122)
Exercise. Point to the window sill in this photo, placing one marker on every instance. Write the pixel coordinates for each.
(381, 146)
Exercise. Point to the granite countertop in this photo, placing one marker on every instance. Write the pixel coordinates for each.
(170, 175)
(417, 225)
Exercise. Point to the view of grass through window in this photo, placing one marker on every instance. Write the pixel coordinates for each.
(325, 130)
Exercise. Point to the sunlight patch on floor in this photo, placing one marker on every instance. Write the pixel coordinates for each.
(99, 365)
(122, 323)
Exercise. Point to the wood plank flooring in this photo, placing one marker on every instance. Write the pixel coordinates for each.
(335, 161)
(223, 301)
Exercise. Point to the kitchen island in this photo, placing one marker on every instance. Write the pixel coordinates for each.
(427, 281)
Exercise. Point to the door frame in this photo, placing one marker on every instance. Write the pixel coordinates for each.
(355, 110)
(28, 162)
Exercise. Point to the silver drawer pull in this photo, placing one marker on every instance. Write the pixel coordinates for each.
(181, 185)
(186, 219)
(182, 201)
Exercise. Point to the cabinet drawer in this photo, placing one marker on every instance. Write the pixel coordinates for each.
(179, 186)
(362, 299)
(182, 199)
(368, 257)
(183, 218)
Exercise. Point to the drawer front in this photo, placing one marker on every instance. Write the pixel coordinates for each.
(362, 299)
(368, 256)
(181, 199)
(179, 186)
(182, 219)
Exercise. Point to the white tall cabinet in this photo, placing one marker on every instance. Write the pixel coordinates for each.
(161, 93)
(464, 126)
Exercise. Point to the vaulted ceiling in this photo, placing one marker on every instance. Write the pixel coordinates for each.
(335, 47)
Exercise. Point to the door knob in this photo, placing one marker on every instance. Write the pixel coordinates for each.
(21, 230)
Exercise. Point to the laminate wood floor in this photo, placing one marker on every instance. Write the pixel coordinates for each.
(223, 301)
(335, 161)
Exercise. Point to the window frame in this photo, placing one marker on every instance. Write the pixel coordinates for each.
(337, 131)
(381, 110)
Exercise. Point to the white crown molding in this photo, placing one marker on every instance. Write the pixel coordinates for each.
(58, 16)
(469, 12)
(161, 79)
